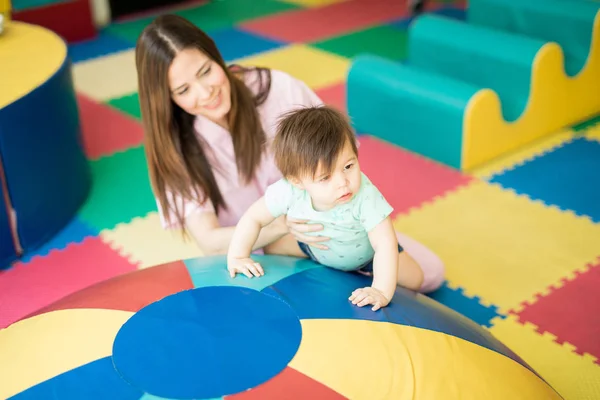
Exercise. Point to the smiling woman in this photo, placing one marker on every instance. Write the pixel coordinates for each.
(209, 129)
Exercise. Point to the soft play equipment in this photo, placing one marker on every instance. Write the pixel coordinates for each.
(473, 90)
(73, 20)
(43, 169)
(186, 330)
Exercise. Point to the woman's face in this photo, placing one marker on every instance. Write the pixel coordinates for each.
(200, 86)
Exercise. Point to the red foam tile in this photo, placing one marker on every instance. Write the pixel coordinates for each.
(289, 384)
(71, 19)
(571, 312)
(313, 24)
(334, 95)
(405, 179)
(129, 292)
(106, 130)
(27, 287)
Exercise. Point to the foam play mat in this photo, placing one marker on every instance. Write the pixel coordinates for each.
(92, 312)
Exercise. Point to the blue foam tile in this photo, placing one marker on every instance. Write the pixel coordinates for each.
(95, 380)
(322, 293)
(566, 177)
(450, 12)
(102, 45)
(207, 342)
(236, 43)
(467, 306)
(74, 232)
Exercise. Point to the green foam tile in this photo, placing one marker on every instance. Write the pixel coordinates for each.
(210, 17)
(583, 126)
(121, 190)
(129, 105)
(383, 41)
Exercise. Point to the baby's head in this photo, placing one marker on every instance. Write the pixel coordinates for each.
(315, 149)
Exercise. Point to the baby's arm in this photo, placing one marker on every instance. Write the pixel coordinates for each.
(243, 239)
(385, 262)
(385, 268)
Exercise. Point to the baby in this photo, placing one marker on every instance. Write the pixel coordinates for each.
(316, 152)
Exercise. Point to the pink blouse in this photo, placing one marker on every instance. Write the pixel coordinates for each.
(286, 94)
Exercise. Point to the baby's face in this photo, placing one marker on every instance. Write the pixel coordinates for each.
(339, 186)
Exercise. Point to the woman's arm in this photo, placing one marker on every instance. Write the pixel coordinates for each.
(214, 239)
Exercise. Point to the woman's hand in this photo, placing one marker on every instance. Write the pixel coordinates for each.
(299, 227)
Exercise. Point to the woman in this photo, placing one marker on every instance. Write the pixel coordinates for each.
(208, 129)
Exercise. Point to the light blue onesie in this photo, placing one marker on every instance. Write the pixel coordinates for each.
(347, 225)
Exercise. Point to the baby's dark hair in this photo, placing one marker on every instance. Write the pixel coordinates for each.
(310, 137)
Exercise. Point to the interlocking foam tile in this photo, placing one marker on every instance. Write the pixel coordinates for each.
(334, 95)
(74, 232)
(106, 130)
(587, 124)
(405, 179)
(454, 12)
(144, 242)
(570, 311)
(235, 43)
(128, 104)
(106, 77)
(566, 177)
(312, 3)
(325, 22)
(102, 45)
(216, 15)
(28, 287)
(467, 306)
(315, 67)
(522, 155)
(573, 376)
(128, 30)
(500, 246)
(121, 190)
(383, 41)
(593, 133)
(289, 384)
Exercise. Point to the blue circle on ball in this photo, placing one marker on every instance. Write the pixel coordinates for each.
(207, 342)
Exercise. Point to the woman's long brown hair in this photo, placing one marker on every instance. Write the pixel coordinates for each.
(176, 158)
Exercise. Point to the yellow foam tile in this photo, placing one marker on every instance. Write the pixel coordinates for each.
(500, 246)
(522, 155)
(107, 77)
(312, 3)
(574, 376)
(593, 133)
(315, 67)
(44, 346)
(144, 242)
(374, 360)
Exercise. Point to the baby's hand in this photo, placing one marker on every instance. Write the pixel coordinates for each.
(245, 266)
(369, 295)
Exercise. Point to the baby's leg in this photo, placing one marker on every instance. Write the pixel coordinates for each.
(431, 265)
(286, 246)
(410, 274)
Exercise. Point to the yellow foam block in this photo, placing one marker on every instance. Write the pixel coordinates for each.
(145, 242)
(44, 346)
(315, 67)
(107, 77)
(575, 377)
(29, 56)
(500, 246)
(556, 100)
(375, 360)
(522, 155)
(312, 3)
